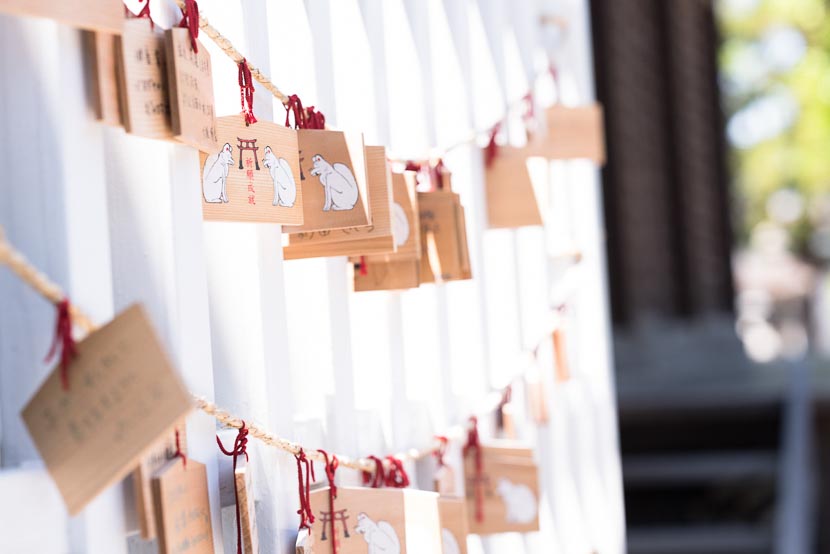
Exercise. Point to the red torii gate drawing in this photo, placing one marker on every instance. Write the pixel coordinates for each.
(339, 515)
(247, 144)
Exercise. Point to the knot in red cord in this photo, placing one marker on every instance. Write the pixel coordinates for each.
(315, 119)
(304, 484)
(473, 444)
(240, 447)
(377, 478)
(492, 149)
(295, 106)
(63, 340)
(190, 21)
(396, 476)
(145, 12)
(246, 91)
(436, 174)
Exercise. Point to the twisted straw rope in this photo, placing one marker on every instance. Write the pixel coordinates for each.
(29, 274)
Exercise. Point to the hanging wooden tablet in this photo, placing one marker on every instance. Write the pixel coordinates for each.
(333, 176)
(95, 15)
(444, 251)
(507, 487)
(573, 133)
(375, 520)
(100, 51)
(406, 222)
(453, 514)
(123, 396)
(191, 91)
(243, 480)
(376, 275)
(511, 196)
(142, 80)
(253, 174)
(354, 241)
(182, 508)
(157, 457)
(562, 365)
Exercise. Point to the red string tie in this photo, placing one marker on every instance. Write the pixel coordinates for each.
(492, 149)
(295, 106)
(364, 270)
(63, 340)
(179, 453)
(377, 478)
(246, 91)
(473, 444)
(315, 119)
(396, 476)
(436, 174)
(331, 468)
(190, 21)
(304, 484)
(240, 445)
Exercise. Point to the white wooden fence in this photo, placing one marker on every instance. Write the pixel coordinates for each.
(116, 219)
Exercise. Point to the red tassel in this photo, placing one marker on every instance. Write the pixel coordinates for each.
(240, 445)
(473, 444)
(396, 477)
(190, 21)
(246, 92)
(377, 479)
(64, 341)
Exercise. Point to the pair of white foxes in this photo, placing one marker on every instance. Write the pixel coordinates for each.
(337, 179)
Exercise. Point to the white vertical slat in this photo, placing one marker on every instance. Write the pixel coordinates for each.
(55, 212)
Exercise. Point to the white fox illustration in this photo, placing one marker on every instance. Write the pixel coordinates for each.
(519, 501)
(215, 175)
(285, 189)
(338, 182)
(380, 536)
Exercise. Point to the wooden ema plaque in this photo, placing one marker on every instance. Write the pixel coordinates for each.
(573, 133)
(100, 52)
(374, 520)
(375, 238)
(182, 508)
(405, 274)
(156, 458)
(444, 252)
(123, 396)
(252, 174)
(242, 479)
(142, 76)
(333, 176)
(509, 485)
(94, 15)
(453, 514)
(511, 197)
(190, 76)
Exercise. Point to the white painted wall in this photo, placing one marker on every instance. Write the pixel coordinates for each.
(115, 219)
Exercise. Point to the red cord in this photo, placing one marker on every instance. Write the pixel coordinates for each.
(364, 270)
(239, 447)
(145, 12)
(474, 444)
(246, 91)
(396, 476)
(179, 453)
(331, 469)
(492, 149)
(64, 341)
(304, 118)
(377, 479)
(190, 21)
(441, 451)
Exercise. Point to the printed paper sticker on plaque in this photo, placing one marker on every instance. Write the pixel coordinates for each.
(182, 508)
(123, 396)
(508, 489)
(333, 175)
(94, 15)
(142, 75)
(354, 241)
(253, 174)
(191, 91)
(374, 520)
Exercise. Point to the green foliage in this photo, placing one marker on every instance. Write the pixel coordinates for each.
(797, 156)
